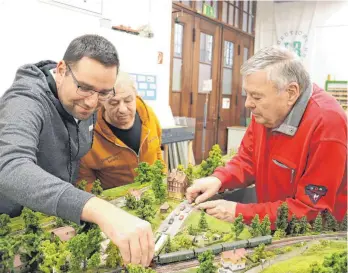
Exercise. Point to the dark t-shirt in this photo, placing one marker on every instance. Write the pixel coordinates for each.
(130, 137)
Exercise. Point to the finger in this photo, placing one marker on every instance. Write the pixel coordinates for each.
(208, 205)
(125, 251)
(212, 211)
(151, 242)
(144, 246)
(192, 192)
(204, 196)
(135, 250)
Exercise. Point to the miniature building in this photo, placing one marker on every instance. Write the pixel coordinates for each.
(164, 208)
(136, 193)
(64, 233)
(233, 260)
(17, 264)
(177, 184)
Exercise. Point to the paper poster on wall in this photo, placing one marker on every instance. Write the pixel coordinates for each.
(207, 86)
(146, 85)
(225, 103)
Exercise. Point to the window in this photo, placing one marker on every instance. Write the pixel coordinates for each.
(228, 68)
(177, 60)
(232, 11)
(209, 8)
(186, 3)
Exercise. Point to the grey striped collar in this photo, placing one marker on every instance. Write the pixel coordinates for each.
(293, 119)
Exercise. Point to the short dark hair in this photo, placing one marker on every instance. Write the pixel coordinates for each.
(92, 46)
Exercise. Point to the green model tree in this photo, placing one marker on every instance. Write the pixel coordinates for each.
(114, 258)
(182, 241)
(168, 247)
(192, 231)
(97, 188)
(292, 225)
(255, 227)
(203, 224)
(337, 262)
(207, 167)
(180, 168)
(206, 262)
(282, 217)
(4, 225)
(94, 261)
(158, 187)
(82, 185)
(238, 226)
(131, 202)
(54, 256)
(330, 222)
(265, 227)
(259, 253)
(31, 221)
(303, 225)
(143, 172)
(138, 269)
(318, 223)
(146, 209)
(79, 249)
(8, 249)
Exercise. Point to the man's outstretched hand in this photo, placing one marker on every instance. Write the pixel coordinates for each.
(221, 209)
(202, 189)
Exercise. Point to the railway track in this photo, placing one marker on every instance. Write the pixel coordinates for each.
(173, 267)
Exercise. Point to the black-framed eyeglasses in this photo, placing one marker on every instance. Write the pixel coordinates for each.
(87, 92)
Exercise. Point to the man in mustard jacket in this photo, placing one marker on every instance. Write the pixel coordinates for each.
(127, 132)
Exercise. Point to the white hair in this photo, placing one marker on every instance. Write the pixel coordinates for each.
(124, 80)
(282, 66)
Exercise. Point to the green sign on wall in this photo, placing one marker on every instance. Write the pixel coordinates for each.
(208, 10)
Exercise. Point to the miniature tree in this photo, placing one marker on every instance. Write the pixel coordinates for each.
(168, 247)
(207, 167)
(82, 185)
(330, 222)
(131, 202)
(180, 168)
(143, 172)
(189, 174)
(79, 249)
(316, 268)
(158, 187)
(54, 256)
(8, 248)
(255, 228)
(114, 258)
(192, 231)
(31, 221)
(238, 225)
(182, 241)
(4, 225)
(303, 225)
(282, 217)
(94, 261)
(59, 222)
(259, 253)
(291, 226)
(203, 224)
(206, 262)
(265, 227)
(337, 262)
(318, 223)
(145, 209)
(343, 225)
(97, 188)
(138, 269)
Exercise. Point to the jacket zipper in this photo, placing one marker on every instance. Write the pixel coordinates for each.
(137, 155)
(285, 167)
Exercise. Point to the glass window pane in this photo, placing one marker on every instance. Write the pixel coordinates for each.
(230, 15)
(236, 18)
(245, 6)
(177, 65)
(204, 74)
(178, 40)
(215, 7)
(228, 54)
(206, 48)
(250, 26)
(251, 4)
(245, 21)
(224, 12)
(186, 3)
(199, 6)
(227, 81)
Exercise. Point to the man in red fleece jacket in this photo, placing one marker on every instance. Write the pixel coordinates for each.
(295, 149)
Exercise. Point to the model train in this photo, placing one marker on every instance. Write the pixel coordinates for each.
(184, 255)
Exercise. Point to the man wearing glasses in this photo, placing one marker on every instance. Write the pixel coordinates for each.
(46, 126)
(127, 132)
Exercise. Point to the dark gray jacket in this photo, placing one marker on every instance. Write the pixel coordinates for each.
(40, 147)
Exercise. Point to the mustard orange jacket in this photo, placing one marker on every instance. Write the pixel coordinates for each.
(111, 161)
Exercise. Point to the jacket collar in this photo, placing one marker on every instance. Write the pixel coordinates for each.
(292, 121)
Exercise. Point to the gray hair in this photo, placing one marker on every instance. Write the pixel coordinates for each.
(125, 80)
(282, 66)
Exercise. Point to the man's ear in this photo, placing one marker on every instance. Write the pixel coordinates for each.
(293, 91)
(60, 71)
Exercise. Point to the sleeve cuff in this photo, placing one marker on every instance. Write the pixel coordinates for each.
(71, 203)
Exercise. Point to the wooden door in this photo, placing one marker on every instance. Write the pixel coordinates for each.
(229, 86)
(181, 63)
(205, 66)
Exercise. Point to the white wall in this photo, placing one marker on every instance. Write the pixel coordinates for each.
(33, 30)
(328, 39)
